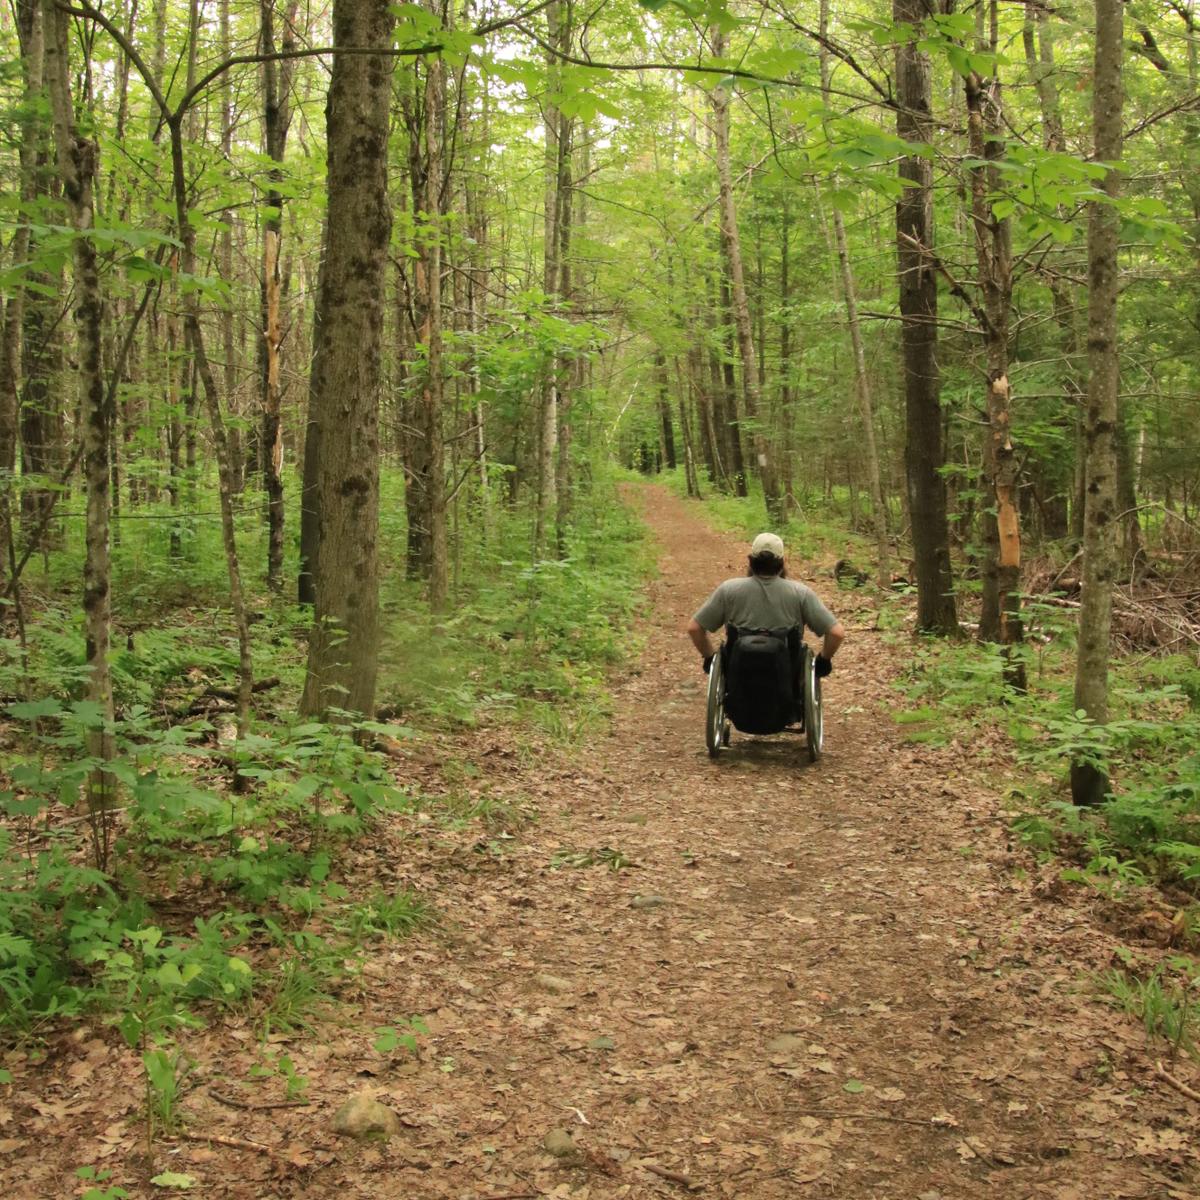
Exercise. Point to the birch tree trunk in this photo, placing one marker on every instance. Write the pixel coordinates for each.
(1089, 780)
(344, 397)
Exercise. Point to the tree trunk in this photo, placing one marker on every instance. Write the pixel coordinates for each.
(566, 365)
(731, 244)
(430, 334)
(552, 130)
(1000, 618)
(229, 349)
(862, 381)
(924, 442)
(277, 116)
(29, 32)
(40, 303)
(344, 398)
(664, 409)
(77, 168)
(1089, 780)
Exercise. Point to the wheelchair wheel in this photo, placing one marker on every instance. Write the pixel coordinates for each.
(814, 721)
(714, 724)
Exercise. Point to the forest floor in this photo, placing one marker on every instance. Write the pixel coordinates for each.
(837, 980)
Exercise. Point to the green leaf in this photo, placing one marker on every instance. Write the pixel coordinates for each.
(853, 1086)
(173, 1179)
(32, 710)
(169, 976)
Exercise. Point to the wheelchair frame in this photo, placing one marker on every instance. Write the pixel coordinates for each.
(718, 730)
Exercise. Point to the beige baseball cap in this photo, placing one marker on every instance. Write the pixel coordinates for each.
(767, 543)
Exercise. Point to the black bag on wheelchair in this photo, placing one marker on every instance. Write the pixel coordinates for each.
(759, 672)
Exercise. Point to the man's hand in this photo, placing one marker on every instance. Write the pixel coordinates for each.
(823, 666)
(708, 661)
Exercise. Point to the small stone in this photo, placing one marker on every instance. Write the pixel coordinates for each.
(786, 1043)
(552, 983)
(363, 1116)
(559, 1144)
(648, 901)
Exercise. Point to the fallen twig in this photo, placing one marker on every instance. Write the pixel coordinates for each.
(829, 1115)
(514, 1196)
(1181, 1087)
(242, 1104)
(672, 1176)
(233, 1143)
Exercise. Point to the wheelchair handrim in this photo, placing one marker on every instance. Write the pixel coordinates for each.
(715, 715)
(814, 720)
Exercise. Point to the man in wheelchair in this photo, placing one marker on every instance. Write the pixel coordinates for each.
(767, 613)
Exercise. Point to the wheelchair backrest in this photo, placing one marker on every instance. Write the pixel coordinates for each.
(760, 669)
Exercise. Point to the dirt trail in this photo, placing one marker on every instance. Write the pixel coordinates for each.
(946, 1042)
(866, 905)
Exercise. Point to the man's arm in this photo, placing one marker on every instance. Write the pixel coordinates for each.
(833, 639)
(700, 638)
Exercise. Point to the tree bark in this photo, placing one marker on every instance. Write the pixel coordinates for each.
(229, 349)
(731, 244)
(924, 441)
(29, 33)
(77, 157)
(344, 397)
(1000, 617)
(664, 409)
(277, 116)
(862, 381)
(1089, 781)
(552, 130)
(40, 306)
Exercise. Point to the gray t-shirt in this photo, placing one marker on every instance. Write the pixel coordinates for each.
(755, 602)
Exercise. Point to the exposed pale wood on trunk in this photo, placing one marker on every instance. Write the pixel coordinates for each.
(1000, 616)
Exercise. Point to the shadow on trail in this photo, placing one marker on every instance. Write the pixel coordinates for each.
(786, 751)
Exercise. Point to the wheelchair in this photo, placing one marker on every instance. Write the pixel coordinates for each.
(752, 688)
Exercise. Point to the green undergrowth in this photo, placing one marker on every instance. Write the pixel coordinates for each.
(221, 884)
(532, 643)
(209, 889)
(1149, 829)
(819, 530)
(1139, 851)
